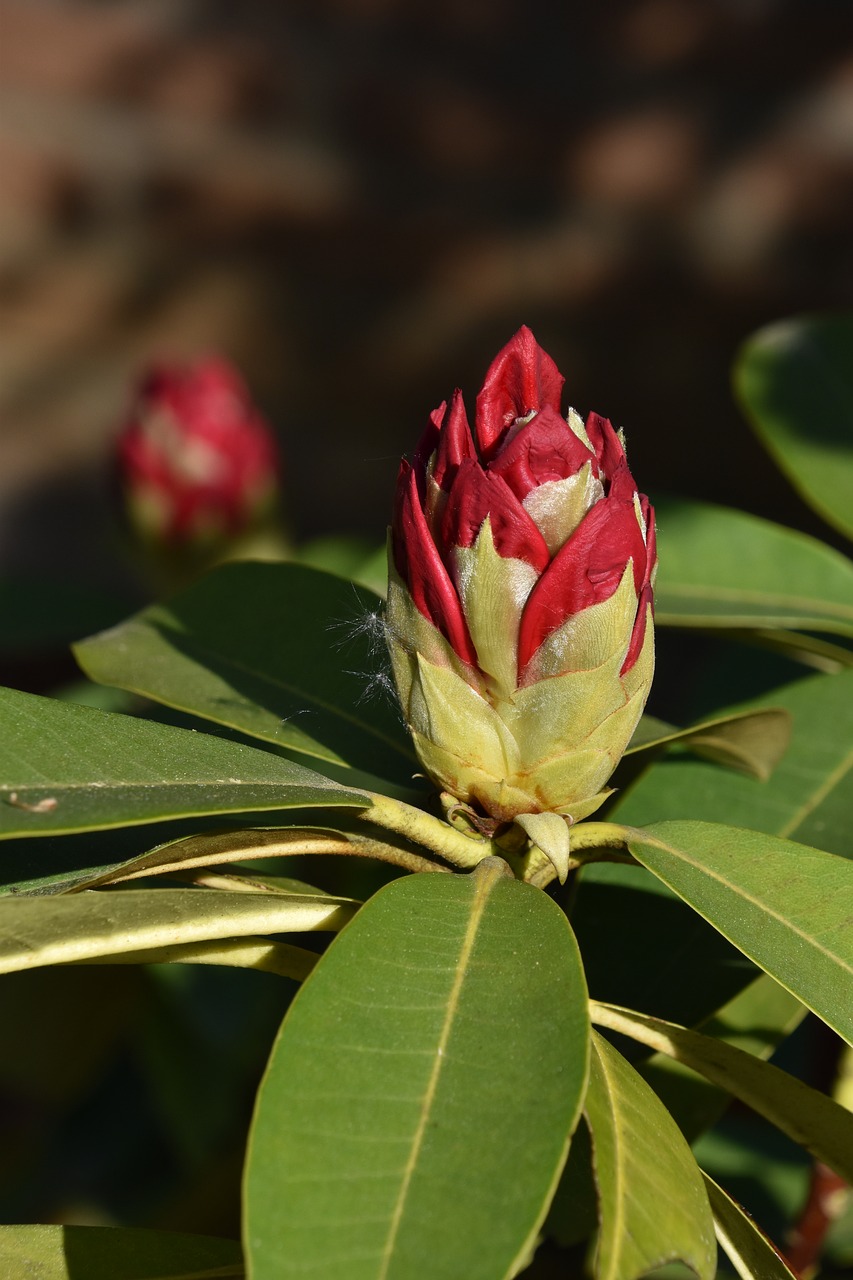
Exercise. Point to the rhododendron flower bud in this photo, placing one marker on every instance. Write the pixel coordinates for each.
(519, 615)
(198, 463)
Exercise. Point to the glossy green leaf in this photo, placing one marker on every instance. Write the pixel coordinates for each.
(418, 1104)
(67, 768)
(786, 906)
(812, 1119)
(810, 795)
(723, 568)
(753, 742)
(86, 926)
(281, 652)
(653, 1205)
(114, 1253)
(795, 384)
(750, 1252)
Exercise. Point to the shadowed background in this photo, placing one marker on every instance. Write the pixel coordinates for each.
(359, 201)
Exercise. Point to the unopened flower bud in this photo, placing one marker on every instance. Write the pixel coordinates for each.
(198, 463)
(519, 616)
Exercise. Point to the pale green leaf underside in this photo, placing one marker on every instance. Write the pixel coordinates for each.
(809, 796)
(752, 742)
(794, 381)
(114, 1253)
(723, 568)
(418, 1103)
(749, 1251)
(810, 1118)
(786, 906)
(67, 768)
(282, 652)
(87, 926)
(653, 1206)
(216, 848)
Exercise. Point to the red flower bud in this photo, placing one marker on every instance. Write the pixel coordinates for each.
(519, 612)
(198, 463)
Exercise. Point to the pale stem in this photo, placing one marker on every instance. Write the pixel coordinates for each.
(429, 832)
(597, 835)
(584, 841)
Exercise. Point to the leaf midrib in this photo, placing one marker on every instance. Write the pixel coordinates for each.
(482, 890)
(645, 838)
(817, 797)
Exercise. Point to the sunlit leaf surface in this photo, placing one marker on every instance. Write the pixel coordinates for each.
(786, 906)
(653, 1204)
(417, 1107)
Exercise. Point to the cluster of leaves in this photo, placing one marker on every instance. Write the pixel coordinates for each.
(463, 1033)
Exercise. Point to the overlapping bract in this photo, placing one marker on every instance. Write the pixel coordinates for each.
(519, 614)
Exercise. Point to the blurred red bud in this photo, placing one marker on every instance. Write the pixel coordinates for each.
(198, 463)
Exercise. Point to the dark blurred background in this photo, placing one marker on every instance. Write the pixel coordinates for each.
(359, 201)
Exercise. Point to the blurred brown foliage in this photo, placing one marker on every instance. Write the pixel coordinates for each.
(359, 201)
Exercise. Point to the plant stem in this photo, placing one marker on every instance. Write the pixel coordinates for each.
(597, 835)
(431, 833)
(586, 840)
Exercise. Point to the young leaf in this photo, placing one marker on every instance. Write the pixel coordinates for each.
(813, 1120)
(810, 795)
(724, 568)
(417, 1107)
(653, 1206)
(751, 1254)
(107, 1253)
(281, 652)
(87, 926)
(793, 380)
(68, 768)
(786, 906)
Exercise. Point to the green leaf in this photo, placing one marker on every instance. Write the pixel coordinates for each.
(756, 1020)
(723, 568)
(753, 742)
(218, 847)
(810, 795)
(86, 926)
(67, 768)
(751, 1254)
(688, 971)
(786, 906)
(357, 559)
(114, 1253)
(417, 1107)
(795, 384)
(281, 652)
(653, 1205)
(813, 1120)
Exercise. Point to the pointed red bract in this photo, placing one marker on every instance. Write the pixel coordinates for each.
(585, 571)
(454, 444)
(476, 495)
(421, 567)
(487, 474)
(522, 379)
(544, 449)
